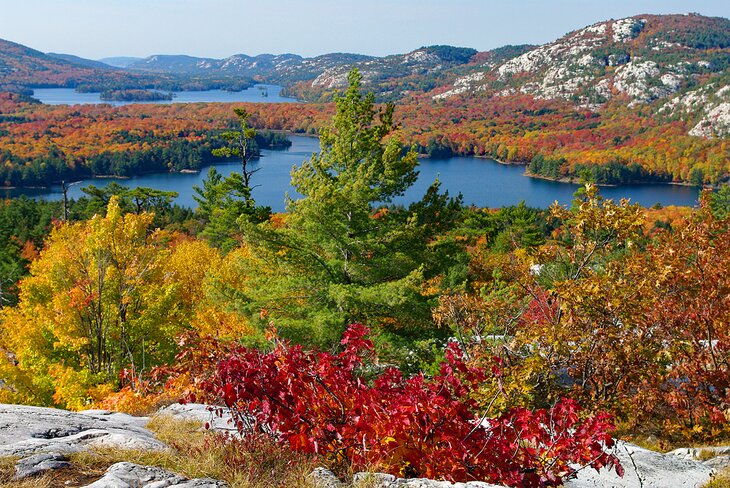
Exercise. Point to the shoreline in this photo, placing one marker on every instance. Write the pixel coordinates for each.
(575, 180)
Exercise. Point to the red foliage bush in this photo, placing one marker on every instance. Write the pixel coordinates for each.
(322, 403)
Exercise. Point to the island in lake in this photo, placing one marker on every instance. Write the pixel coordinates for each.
(135, 95)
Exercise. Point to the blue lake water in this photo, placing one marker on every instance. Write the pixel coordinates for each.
(257, 93)
(483, 182)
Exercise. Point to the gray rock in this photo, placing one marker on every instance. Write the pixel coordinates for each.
(645, 469)
(39, 463)
(698, 453)
(130, 475)
(26, 430)
(425, 483)
(373, 479)
(718, 463)
(201, 412)
(324, 478)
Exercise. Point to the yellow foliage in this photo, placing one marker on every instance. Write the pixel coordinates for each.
(98, 298)
(220, 323)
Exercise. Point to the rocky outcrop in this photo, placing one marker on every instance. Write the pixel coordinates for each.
(28, 430)
(198, 412)
(38, 464)
(715, 123)
(43, 436)
(130, 475)
(645, 469)
(641, 60)
(714, 457)
(324, 478)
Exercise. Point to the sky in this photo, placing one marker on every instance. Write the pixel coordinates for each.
(219, 28)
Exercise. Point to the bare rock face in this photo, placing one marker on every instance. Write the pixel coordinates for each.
(324, 478)
(645, 469)
(38, 464)
(715, 457)
(26, 430)
(199, 412)
(130, 475)
(381, 480)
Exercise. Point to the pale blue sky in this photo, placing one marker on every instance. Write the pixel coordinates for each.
(219, 28)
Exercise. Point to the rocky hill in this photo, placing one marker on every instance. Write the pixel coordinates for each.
(23, 68)
(314, 79)
(682, 60)
(679, 62)
(282, 68)
(119, 61)
(87, 63)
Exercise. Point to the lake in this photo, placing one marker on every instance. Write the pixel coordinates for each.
(483, 182)
(69, 96)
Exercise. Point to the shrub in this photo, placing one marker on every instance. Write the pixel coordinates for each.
(341, 407)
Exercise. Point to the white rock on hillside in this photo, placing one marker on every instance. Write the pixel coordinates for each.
(624, 29)
(464, 84)
(26, 430)
(715, 123)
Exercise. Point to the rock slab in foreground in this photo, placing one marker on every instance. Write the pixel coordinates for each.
(645, 469)
(39, 463)
(200, 412)
(324, 478)
(26, 430)
(130, 475)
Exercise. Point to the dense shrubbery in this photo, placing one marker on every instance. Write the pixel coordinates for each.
(609, 316)
(340, 407)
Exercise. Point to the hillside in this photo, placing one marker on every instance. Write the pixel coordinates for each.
(283, 68)
(679, 63)
(87, 63)
(21, 66)
(120, 61)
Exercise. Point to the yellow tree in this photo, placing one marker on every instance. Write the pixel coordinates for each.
(104, 296)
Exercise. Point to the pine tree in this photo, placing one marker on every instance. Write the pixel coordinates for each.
(341, 254)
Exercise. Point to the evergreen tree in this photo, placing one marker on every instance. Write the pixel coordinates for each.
(341, 255)
(223, 202)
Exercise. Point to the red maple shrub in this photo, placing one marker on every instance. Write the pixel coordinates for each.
(333, 405)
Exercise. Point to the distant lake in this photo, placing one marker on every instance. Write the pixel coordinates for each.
(257, 93)
(483, 182)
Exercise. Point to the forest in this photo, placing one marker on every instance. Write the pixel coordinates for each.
(432, 340)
